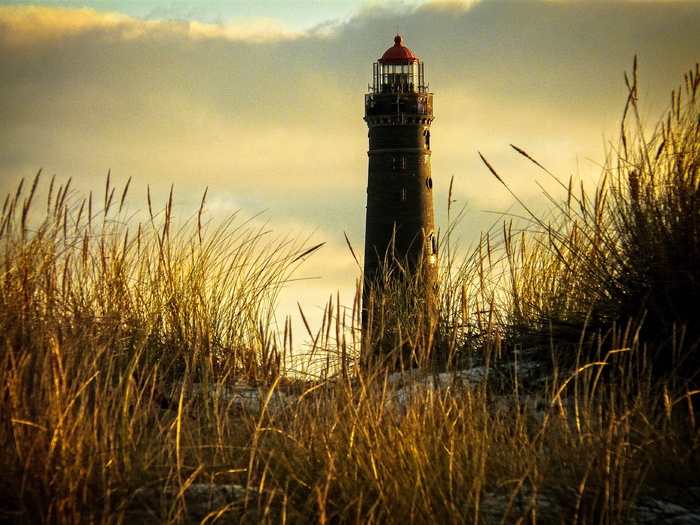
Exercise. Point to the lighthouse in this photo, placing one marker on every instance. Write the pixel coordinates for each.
(400, 238)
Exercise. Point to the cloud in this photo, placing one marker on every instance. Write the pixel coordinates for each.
(26, 25)
(22, 26)
(252, 29)
(271, 119)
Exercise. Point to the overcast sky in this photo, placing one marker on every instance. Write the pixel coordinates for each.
(262, 101)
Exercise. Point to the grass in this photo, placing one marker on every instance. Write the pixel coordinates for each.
(626, 251)
(104, 327)
(125, 344)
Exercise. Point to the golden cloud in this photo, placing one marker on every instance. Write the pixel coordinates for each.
(26, 25)
(250, 29)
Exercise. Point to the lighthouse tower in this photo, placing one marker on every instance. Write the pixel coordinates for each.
(400, 237)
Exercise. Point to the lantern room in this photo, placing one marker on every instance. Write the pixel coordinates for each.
(398, 71)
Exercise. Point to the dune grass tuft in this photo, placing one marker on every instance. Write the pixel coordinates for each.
(626, 251)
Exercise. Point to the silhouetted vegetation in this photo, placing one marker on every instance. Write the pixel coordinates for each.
(622, 255)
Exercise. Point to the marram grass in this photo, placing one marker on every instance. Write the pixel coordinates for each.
(625, 251)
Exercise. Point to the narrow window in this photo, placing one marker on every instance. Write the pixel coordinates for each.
(429, 183)
(399, 163)
(432, 239)
(400, 195)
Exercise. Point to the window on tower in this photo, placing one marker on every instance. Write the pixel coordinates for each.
(399, 163)
(433, 247)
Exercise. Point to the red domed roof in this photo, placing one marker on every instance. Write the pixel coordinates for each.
(398, 53)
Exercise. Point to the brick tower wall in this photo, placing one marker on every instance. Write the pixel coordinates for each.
(399, 188)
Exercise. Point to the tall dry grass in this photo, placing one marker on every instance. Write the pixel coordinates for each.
(625, 251)
(579, 451)
(108, 327)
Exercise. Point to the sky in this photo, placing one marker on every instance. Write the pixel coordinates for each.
(261, 102)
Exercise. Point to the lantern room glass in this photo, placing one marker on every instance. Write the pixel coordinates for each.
(398, 77)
